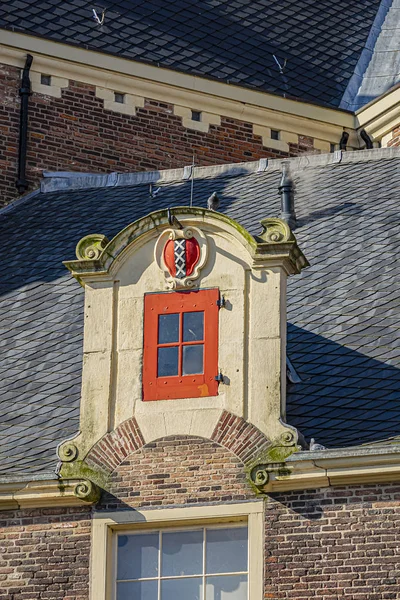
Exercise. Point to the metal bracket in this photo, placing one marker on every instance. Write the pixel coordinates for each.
(219, 378)
(187, 172)
(221, 303)
(262, 165)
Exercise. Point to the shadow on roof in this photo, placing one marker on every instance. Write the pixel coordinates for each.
(345, 397)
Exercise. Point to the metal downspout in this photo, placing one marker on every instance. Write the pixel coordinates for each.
(24, 92)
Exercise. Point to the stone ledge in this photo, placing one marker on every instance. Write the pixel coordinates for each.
(325, 468)
(43, 493)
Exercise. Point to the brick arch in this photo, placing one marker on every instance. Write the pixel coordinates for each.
(234, 433)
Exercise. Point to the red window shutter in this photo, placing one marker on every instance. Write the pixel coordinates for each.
(163, 387)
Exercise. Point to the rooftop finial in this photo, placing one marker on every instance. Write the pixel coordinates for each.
(287, 197)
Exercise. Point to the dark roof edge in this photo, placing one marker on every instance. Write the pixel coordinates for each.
(64, 181)
(14, 203)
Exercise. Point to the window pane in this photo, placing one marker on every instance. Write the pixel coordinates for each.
(226, 587)
(226, 550)
(182, 589)
(182, 553)
(192, 359)
(137, 590)
(193, 326)
(137, 556)
(168, 329)
(167, 361)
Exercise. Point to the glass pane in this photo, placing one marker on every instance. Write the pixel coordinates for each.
(226, 550)
(182, 589)
(226, 587)
(168, 329)
(167, 364)
(137, 590)
(192, 359)
(137, 556)
(182, 553)
(193, 326)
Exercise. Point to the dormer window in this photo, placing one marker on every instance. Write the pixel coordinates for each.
(180, 345)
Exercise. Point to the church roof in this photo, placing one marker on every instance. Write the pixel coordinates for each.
(307, 50)
(343, 311)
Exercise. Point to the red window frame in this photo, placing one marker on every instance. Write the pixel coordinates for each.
(180, 386)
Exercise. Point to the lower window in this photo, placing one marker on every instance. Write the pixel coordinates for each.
(207, 563)
(210, 552)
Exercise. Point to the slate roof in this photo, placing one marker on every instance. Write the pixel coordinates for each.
(378, 68)
(343, 311)
(229, 40)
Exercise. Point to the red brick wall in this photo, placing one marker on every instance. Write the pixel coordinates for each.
(395, 141)
(75, 133)
(232, 432)
(44, 554)
(178, 470)
(9, 124)
(334, 543)
(340, 543)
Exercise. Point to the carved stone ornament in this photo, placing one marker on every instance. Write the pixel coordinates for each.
(259, 475)
(91, 246)
(67, 452)
(181, 254)
(87, 491)
(275, 231)
(288, 438)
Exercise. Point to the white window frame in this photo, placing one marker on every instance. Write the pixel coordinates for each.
(103, 549)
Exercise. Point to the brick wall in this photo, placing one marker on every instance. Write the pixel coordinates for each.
(395, 141)
(9, 127)
(44, 554)
(319, 544)
(76, 133)
(334, 543)
(177, 470)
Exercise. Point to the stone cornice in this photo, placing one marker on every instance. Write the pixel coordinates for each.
(382, 115)
(325, 468)
(47, 493)
(182, 90)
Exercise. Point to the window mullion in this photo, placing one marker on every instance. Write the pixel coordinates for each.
(159, 564)
(204, 563)
(180, 350)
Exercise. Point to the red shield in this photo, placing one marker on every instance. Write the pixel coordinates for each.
(181, 256)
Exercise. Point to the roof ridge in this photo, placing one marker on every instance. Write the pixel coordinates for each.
(71, 180)
(64, 180)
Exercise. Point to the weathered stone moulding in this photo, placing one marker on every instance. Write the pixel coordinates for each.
(250, 273)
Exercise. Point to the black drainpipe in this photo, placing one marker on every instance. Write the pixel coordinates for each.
(365, 137)
(24, 92)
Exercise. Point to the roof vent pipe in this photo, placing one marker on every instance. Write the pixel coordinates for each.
(286, 192)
